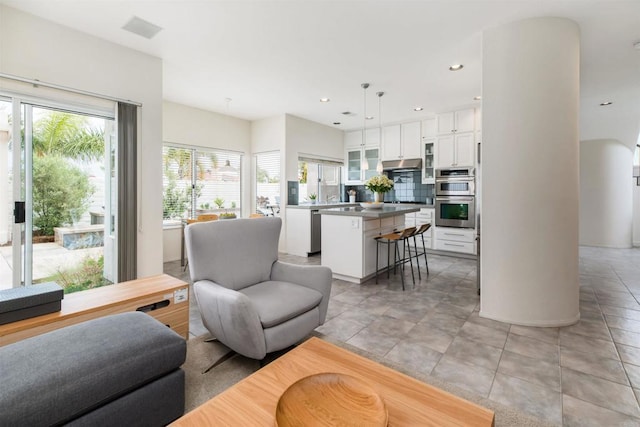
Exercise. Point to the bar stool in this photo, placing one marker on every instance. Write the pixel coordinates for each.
(394, 238)
(420, 231)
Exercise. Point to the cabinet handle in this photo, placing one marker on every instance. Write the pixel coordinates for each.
(453, 234)
(453, 244)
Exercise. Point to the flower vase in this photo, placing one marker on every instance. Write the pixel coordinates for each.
(378, 197)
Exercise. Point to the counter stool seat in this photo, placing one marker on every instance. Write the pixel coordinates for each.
(392, 239)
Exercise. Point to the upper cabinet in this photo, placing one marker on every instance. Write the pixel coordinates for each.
(429, 128)
(455, 150)
(456, 121)
(401, 141)
(410, 140)
(455, 144)
(391, 143)
(359, 152)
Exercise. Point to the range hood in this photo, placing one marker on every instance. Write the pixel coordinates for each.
(403, 164)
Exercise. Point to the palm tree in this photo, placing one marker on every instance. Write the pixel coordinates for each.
(67, 135)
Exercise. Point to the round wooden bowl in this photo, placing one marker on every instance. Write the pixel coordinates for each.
(330, 399)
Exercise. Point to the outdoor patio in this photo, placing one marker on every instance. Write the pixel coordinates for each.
(47, 259)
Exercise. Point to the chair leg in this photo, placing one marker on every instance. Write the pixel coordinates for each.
(406, 247)
(415, 247)
(424, 251)
(223, 358)
(395, 263)
(377, 247)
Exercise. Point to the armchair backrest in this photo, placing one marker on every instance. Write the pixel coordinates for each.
(233, 253)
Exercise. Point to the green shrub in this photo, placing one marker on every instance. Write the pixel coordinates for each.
(89, 274)
(174, 201)
(61, 193)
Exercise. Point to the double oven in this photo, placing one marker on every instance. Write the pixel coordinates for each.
(455, 197)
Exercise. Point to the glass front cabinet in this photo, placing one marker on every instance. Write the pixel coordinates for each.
(355, 172)
(428, 169)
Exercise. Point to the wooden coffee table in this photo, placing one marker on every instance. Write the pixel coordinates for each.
(410, 402)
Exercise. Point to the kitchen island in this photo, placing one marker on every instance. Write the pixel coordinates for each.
(348, 238)
(303, 226)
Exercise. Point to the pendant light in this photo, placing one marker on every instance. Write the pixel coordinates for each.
(379, 167)
(364, 164)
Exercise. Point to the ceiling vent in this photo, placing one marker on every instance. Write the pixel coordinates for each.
(141, 27)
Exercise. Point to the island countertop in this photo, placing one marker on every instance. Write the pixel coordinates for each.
(387, 210)
(322, 205)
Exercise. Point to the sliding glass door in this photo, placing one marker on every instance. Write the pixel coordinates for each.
(58, 215)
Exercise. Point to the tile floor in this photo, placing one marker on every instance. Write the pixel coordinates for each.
(587, 374)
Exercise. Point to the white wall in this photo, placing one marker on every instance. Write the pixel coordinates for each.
(306, 137)
(192, 126)
(35, 48)
(636, 213)
(530, 172)
(606, 209)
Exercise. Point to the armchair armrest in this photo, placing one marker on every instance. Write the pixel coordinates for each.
(311, 276)
(231, 317)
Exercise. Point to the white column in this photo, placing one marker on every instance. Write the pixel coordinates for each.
(530, 172)
(606, 193)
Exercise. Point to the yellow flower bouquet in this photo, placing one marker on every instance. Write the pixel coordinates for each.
(379, 184)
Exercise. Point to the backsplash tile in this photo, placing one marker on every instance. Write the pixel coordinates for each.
(407, 187)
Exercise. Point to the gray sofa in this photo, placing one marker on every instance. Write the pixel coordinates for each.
(119, 370)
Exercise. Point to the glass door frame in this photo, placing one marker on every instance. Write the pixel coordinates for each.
(22, 244)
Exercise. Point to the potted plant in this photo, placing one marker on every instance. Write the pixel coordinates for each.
(379, 184)
(219, 201)
(312, 197)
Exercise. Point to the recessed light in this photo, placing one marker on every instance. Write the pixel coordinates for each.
(477, 98)
(369, 117)
(347, 113)
(603, 104)
(456, 67)
(324, 100)
(337, 123)
(418, 109)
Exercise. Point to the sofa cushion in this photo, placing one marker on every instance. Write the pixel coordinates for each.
(61, 375)
(277, 302)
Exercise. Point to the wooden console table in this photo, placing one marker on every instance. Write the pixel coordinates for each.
(163, 297)
(409, 402)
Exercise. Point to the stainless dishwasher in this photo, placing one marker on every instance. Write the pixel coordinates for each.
(316, 231)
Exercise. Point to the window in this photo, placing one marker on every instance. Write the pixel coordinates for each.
(199, 180)
(268, 183)
(319, 177)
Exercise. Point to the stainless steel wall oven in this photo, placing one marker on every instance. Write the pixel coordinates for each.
(455, 197)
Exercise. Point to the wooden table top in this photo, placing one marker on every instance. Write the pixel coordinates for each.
(253, 401)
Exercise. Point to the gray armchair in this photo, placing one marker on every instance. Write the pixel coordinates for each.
(250, 301)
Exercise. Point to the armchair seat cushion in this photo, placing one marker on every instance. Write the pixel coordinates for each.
(276, 302)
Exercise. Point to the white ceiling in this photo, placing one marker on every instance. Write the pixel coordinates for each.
(275, 57)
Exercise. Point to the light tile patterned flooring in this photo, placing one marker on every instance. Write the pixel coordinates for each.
(587, 374)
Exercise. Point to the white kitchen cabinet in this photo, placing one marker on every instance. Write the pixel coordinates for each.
(353, 139)
(410, 139)
(455, 239)
(424, 216)
(456, 121)
(455, 150)
(429, 160)
(391, 143)
(349, 245)
(355, 152)
(401, 141)
(429, 128)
